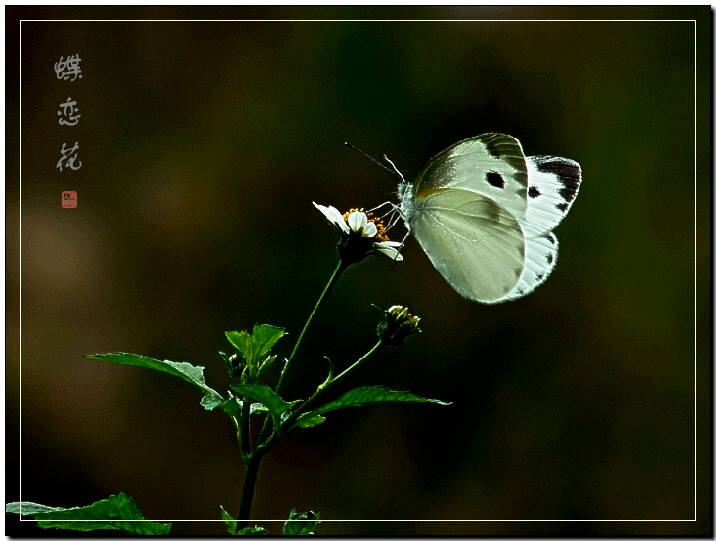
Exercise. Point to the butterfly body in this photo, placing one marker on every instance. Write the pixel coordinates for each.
(483, 213)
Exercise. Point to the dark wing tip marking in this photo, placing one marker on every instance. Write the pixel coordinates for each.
(567, 171)
(549, 257)
(495, 179)
(492, 145)
(562, 207)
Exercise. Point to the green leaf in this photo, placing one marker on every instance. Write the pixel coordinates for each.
(310, 421)
(231, 522)
(253, 530)
(118, 512)
(234, 364)
(241, 340)
(264, 338)
(28, 508)
(265, 365)
(264, 395)
(186, 371)
(300, 523)
(360, 397)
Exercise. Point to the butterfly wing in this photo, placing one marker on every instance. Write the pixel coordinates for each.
(484, 215)
(553, 186)
(492, 165)
(540, 259)
(476, 244)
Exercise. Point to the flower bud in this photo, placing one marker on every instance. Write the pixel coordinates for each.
(397, 325)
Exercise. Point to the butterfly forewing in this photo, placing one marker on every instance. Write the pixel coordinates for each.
(492, 165)
(475, 243)
(553, 186)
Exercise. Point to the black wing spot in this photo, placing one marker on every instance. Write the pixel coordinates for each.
(540, 276)
(550, 258)
(568, 193)
(550, 239)
(562, 207)
(495, 179)
(534, 192)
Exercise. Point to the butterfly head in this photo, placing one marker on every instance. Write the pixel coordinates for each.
(407, 200)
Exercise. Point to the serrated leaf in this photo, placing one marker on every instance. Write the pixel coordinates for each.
(186, 371)
(300, 523)
(264, 395)
(361, 396)
(231, 522)
(241, 340)
(264, 338)
(253, 530)
(118, 512)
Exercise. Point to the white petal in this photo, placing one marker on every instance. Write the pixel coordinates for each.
(369, 230)
(357, 221)
(334, 216)
(386, 249)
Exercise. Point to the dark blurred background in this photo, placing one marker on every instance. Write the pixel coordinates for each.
(203, 145)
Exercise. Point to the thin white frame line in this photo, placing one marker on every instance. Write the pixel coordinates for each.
(20, 292)
(357, 20)
(695, 262)
(160, 520)
(694, 21)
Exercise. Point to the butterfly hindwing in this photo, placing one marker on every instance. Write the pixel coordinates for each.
(540, 259)
(472, 241)
(492, 165)
(553, 186)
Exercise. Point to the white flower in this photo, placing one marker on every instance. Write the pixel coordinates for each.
(358, 222)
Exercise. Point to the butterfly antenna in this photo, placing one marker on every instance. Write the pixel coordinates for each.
(371, 158)
(395, 169)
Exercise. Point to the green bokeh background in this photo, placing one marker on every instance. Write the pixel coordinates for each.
(203, 145)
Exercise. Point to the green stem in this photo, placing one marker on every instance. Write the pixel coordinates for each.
(251, 462)
(245, 430)
(323, 388)
(251, 470)
(283, 378)
(321, 300)
(354, 365)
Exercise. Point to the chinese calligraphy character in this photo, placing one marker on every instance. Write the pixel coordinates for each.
(68, 111)
(69, 155)
(71, 66)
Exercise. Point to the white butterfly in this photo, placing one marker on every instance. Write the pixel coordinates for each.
(483, 213)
